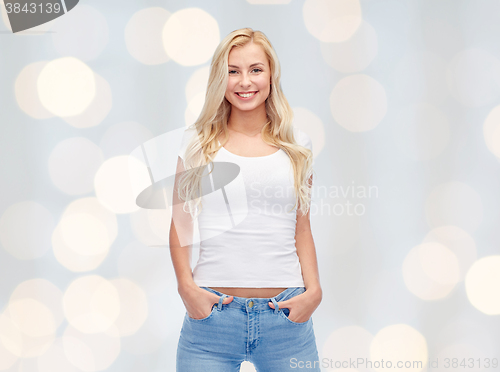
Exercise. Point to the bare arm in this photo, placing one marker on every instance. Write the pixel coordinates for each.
(196, 300)
(181, 233)
(302, 306)
(307, 254)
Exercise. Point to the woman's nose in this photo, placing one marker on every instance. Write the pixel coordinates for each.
(245, 80)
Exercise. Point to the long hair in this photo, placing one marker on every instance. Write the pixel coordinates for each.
(213, 119)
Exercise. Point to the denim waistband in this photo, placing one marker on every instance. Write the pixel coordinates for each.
(258, 303)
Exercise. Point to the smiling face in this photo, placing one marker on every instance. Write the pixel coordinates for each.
(249, 78)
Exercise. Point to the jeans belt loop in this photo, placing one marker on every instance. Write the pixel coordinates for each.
(219, 306)
(276, 306)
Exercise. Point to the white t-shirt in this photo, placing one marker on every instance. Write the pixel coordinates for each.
(247, 231)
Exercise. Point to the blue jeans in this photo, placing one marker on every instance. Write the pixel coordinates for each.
(247, 329)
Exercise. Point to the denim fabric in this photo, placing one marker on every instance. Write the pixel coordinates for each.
(238, 331)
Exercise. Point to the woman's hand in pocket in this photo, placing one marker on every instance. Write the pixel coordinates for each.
(199, 302)
(302, 306)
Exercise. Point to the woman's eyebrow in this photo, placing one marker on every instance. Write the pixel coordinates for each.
(253, 64)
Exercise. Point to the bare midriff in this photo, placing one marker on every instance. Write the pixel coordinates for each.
(249, 292)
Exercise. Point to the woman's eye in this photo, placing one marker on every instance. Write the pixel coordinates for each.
(258, 70)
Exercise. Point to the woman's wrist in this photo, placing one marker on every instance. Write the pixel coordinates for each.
(185, 286)
(315, 292)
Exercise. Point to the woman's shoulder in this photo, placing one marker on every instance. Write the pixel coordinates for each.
(189, 133)
(302, 138)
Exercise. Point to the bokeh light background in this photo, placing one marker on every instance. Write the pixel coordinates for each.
(402, 102)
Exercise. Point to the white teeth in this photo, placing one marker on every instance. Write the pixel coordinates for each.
(245, 95)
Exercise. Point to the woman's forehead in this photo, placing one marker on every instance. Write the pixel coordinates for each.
(247, 55)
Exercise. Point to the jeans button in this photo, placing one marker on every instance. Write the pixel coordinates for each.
(250, 304)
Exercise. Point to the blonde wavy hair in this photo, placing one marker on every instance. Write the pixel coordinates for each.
(213, 119)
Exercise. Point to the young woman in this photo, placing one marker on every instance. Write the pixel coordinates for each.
(245, 173)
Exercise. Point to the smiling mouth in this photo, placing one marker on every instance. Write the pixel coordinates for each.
(246, 95)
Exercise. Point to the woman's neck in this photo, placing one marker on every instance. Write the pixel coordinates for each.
(249, 124)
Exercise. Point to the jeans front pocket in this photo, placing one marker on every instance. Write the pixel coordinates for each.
(285, 315)
(284, 312)
(214, 309)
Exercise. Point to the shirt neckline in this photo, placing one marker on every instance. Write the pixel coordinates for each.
(249, 157)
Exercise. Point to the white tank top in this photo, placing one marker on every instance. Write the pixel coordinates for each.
(247, 234)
